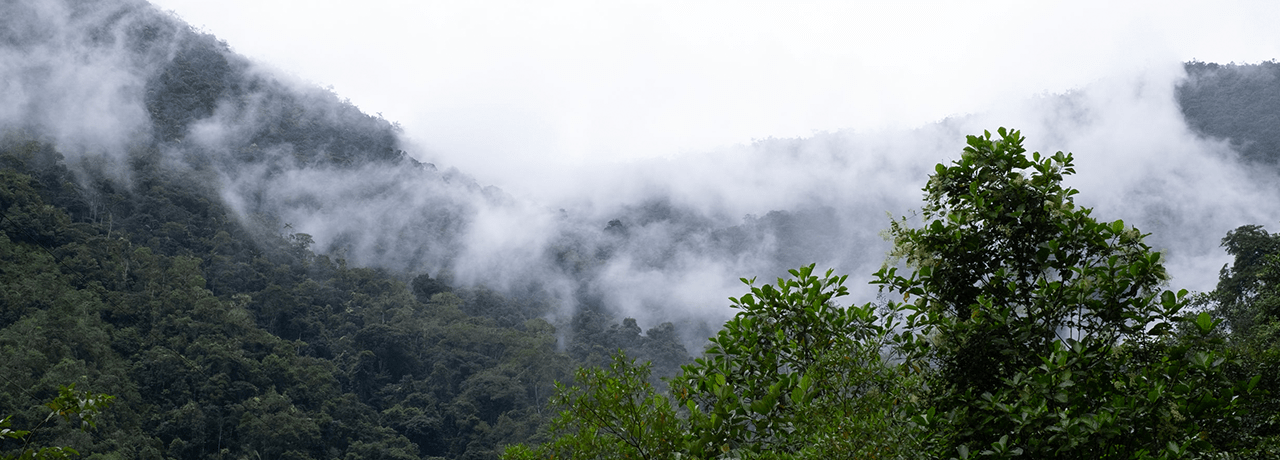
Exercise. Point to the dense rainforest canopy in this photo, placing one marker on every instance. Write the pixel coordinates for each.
(225, 337)
(158, 265)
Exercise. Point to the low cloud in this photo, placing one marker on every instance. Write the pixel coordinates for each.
(658, 239)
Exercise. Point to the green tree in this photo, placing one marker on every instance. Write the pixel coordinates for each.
(1246, 295)
(1248, 299)
(1047, 331)
(793, 374)
(612, 412)
(793, 371)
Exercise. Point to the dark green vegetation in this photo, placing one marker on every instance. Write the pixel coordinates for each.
(1237, 102)
(1027, 328)
(216, 344)
(222, 332)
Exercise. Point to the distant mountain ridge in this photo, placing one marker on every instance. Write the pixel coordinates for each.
(237, 245)
(1238, 102)
(281, 153)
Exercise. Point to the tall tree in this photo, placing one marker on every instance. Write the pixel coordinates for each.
(1246, 294)
(1049, 330)
(1248, 299)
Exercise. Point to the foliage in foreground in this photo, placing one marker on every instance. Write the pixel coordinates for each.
(1027, 328)
(1046, 331)
(789, 358)
(1247, 299)
(80, 405)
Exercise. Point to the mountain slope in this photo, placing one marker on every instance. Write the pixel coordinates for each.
(244, 259)
(148, 253)
(1237, 102)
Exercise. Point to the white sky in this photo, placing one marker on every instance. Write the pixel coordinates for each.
(507, 90)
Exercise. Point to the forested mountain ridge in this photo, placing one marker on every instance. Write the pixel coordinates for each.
(1236, 102)
(156, 188)
(145, 260)
(216, 343)
(295, 356)
(287, 157)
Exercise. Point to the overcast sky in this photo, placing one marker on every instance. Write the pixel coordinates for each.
(508, 89)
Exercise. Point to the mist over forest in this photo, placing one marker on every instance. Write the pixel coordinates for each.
(123, 128)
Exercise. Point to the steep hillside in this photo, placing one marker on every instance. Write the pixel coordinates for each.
(149, 252)
(1237, 102)
(256, 267)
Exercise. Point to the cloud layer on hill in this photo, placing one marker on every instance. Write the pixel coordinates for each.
(659, 238)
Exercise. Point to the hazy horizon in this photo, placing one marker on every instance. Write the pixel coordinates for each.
(510, 91)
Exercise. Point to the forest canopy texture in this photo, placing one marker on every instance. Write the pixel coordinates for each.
(156, 302)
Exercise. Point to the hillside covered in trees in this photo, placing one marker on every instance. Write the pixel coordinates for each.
(222, 332)
(1236, 102)
(255, 268)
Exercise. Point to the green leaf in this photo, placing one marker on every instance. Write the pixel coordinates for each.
(760, 406)
(798, 396)
(1160, 329)
(1203, 321)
